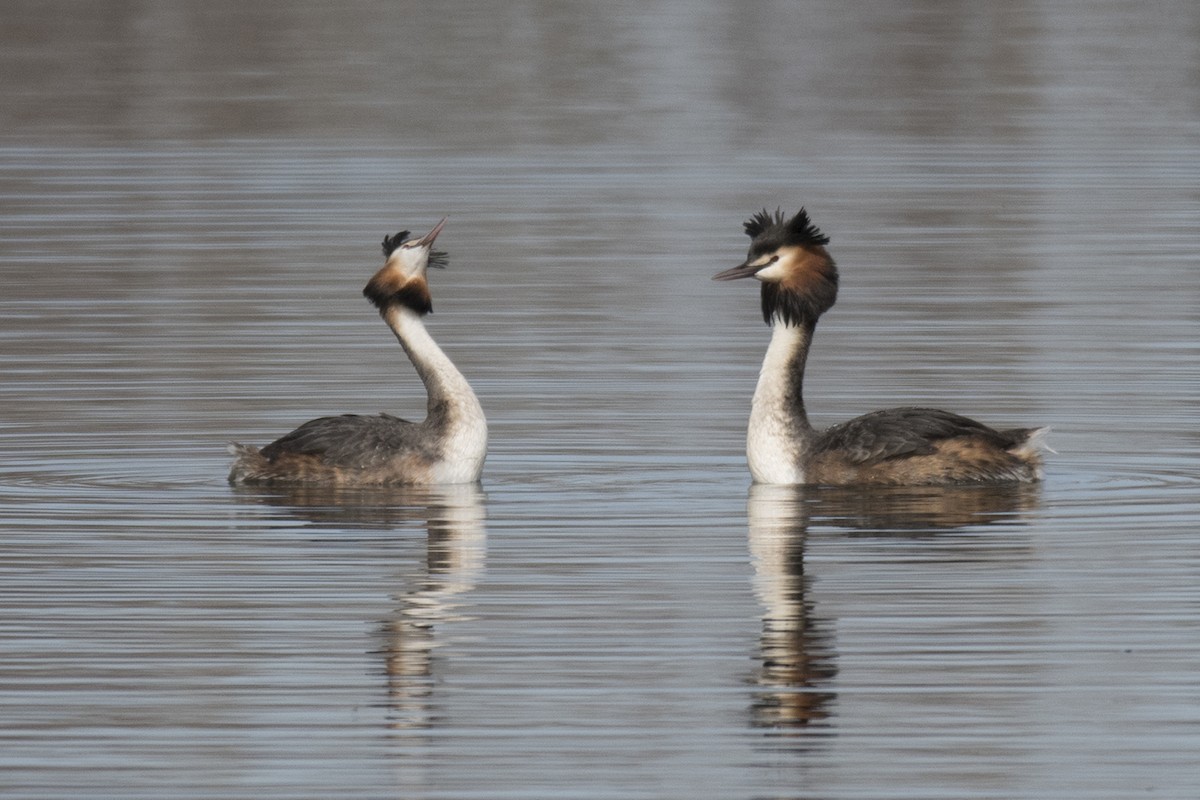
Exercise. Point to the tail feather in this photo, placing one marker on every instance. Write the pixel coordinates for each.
(1030, 448)
(1034, 443)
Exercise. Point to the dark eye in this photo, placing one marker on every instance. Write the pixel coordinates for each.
(773, 259)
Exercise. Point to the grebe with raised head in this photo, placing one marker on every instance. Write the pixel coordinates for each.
(898, 446)
(448, 447)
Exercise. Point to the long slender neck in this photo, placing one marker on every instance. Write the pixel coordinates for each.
(779, 432)
(780, 388)
(448, 389)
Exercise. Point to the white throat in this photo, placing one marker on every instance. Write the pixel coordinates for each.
(778, 433)
(455, 417)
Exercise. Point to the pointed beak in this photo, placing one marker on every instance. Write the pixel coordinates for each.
(427, 239)
(743, 270)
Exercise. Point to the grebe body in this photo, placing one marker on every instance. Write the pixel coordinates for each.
(447, 447)
(895, 447)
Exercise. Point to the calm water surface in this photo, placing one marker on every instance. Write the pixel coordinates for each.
(192, 199)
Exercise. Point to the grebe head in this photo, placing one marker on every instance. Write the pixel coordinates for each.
(799, 277)
(402, 279)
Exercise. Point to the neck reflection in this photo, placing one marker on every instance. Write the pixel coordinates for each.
(796, 646)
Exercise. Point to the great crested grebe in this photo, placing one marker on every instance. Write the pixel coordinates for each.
(448, 447)
(898, 446)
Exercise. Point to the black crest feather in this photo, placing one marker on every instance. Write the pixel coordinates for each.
(438, 259)
(390, 243)
(774, 230)
(762, 221)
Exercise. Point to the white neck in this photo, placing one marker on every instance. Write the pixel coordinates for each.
(454, 413)
(779, 433)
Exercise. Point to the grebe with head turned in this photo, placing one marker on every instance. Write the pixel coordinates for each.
(898, 446)
(448, 447)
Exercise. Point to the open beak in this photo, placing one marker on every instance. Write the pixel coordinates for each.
(427, 239)
(743, 270)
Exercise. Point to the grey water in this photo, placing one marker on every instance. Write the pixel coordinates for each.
(192, 197)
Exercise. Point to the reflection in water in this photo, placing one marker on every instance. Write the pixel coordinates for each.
(455, 524)
(453, 564)
(371, 507)
(797, 649)
(796, 646)
(913, 509)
